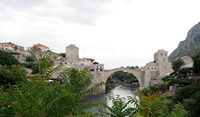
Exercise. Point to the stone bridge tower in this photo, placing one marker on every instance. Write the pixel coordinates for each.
(150, 74)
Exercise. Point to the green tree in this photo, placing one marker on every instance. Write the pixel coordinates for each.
(193, 104)
(7, 59)
(12, 75)
(122, 108)
(39, 98)
(63, 55)
(178, 111)
(186, 92)
(196, 64)
(176, 65)
(41, 59)
(152, 105)
(29, 59)
(189, 96)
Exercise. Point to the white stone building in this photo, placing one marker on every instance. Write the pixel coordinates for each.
(73, 60)
(72, 54)
(86, 61)
(42, 47)
(159, 68)
(17, 51)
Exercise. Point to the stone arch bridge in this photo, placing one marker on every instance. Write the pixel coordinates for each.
(102, 76)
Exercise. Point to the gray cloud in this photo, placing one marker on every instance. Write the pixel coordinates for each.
(22, 3)
(77, 11)
(87, 6)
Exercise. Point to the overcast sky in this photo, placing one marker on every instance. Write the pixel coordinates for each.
(114, 32)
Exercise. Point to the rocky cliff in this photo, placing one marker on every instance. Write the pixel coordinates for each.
(190, 46)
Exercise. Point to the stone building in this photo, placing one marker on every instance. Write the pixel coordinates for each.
(97, 67)
(91, 64)
(86, 61)
(159, 68)
(11, 47)
(73, 60)
(17, 51)
(41, 47)
(72, 54)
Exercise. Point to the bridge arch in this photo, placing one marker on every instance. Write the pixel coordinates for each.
(134, 72)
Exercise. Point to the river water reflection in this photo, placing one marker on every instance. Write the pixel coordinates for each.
(121, 90)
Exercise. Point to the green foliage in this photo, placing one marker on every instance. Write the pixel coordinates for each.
(167, 78)
(196, 64)
(148, 106)
(147, 91)
(122, 76)
(179, 111)
(79, 81)
(157, 106)
(29, 59)
(153, 105)
(193, 104)
(12, 75)
(186, 92)
(63, 55)
(185, 71)
(163, 87)
(39, 98)
(121, 108)
(180, 81)
(155, 89)
(176, 65)
(189, 96)
(35, 69)
(7, 59)
(41, 60)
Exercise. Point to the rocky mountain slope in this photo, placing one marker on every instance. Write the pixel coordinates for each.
(190, 46)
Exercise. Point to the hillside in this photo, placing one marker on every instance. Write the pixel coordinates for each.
(190, 46)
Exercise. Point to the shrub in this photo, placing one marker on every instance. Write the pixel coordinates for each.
(122, 107)
(176, 65)
(186, 92)
(147, 91)
(180, 81)
(38, 98)
(12, 75)
(185, 71)
(193, 104)
(196, 64)
(7, 59)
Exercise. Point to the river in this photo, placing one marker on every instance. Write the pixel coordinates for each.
(121, 90)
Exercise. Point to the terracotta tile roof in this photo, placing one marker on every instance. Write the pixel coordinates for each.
(40, 45)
